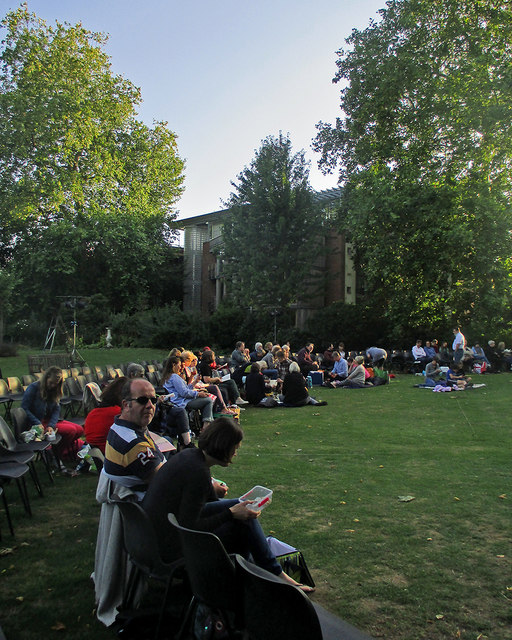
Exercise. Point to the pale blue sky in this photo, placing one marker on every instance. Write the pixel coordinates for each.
(224, 74)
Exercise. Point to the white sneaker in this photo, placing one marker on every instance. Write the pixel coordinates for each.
(240, 401)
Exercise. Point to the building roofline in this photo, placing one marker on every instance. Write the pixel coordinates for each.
(325, 196)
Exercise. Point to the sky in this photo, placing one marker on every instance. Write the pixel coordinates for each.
(224, 74)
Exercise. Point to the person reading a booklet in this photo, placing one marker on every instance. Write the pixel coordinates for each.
(183, 487)
(210, 375)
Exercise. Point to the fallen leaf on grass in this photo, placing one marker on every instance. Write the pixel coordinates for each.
(343, 502)
(20, 598)
(350, 530)
(503, 496)
(6, 551)
(406, 498)
(315, 414)
(456, 499)
(59, 626)
(278, 433)
(439, 616)
(24, 544)
(500, 556)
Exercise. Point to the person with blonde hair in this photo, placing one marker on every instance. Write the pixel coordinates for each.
(41, 404)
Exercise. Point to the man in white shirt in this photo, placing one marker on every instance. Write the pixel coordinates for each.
(459, 344)
(418, 353)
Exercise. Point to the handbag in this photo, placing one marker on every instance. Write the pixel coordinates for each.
(292, 561)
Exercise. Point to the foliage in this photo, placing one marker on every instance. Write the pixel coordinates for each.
(273, 223)
(424, 148)
(87, 190)
(358, 326)
(161, 328)
(8, 283)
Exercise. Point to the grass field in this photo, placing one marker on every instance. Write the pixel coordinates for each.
(435, 567)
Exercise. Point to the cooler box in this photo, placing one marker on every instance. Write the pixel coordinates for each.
(317, 378)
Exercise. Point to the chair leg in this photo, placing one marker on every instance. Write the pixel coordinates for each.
(35, 478)
(44, 457)
(7, 513)
(22, 488)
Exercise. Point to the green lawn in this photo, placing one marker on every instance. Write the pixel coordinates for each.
(436, 567)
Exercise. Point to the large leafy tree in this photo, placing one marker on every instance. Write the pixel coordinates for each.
(271, 234)
(87, 190)
(424, 149)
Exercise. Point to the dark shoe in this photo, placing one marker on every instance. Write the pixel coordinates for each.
(323, 403)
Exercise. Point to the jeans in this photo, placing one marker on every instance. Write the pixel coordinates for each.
(177, 419)
(245, 537)
(205, 406)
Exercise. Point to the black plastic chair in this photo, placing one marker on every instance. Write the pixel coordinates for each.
(212, 575)
(276, 610)
(41, 449)
(10, 469)
(141, 545)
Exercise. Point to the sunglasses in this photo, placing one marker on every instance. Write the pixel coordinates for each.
(143, 400)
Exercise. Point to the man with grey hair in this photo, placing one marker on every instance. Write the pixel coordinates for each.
(134, 370)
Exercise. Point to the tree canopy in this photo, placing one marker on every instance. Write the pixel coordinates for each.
(87, 190)
(424, 149)
(270, 237)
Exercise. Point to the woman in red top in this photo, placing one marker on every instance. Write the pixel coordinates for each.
(99, 420)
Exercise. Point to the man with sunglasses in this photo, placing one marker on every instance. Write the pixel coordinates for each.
(131, 456)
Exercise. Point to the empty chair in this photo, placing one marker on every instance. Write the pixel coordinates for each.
(5, 399)
(10, 469)
(15, 388)
(286, 612)
(86, 371)
(81, 381)
(100, 374)
(75, 372)
(72, 398)
(28, 379)
(110, 372)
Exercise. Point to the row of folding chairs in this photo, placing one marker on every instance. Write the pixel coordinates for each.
(75, 381)
(17, 459)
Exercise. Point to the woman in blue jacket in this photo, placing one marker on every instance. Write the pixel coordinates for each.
(184, 395)
(41, 404)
